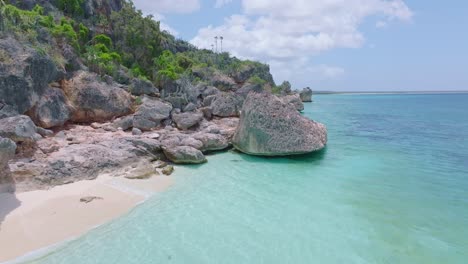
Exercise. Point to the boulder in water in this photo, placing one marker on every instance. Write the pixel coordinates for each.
(270, 127)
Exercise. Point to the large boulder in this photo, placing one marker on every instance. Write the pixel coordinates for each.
(270, 127)
(225, 104)
(185, 155)
(179, 92)
(306, 95)
(7, 151)
(142, 87)
(211, 142)
(295, 100)
(18, 128)
(95, 101)
(247, 88)
(151, 113)
(187, 120)
(24, 75)
(51, 110)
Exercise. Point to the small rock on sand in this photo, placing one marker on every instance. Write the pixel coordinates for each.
(89, 199)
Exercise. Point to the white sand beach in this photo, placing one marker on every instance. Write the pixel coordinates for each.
(34, 220)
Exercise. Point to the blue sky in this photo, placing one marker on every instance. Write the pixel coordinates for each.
(341, 45)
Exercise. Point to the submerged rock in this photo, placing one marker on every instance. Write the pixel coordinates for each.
(306, 95)
(270, 127)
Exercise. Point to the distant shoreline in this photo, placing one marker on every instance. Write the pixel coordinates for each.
(390, 92)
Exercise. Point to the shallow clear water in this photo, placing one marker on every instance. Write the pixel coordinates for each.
(391, 187)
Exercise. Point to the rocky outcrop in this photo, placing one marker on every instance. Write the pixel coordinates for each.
(7, 151)
(187, 120)
(270, 127)
(18, 128)
(142, 87)
(185, 155)
(179, 93)
(306, 95)
(24, 75)
(93, 100)
(225, 104)
(51, 110)
(211, 142)
(247, 88)
(295, 100)
(151, 113)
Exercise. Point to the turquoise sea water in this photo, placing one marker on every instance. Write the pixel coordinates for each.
(391, 187)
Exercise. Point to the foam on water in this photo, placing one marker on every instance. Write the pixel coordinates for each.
(391, 187)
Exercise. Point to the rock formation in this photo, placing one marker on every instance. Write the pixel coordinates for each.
(270, 127)
(306, 95)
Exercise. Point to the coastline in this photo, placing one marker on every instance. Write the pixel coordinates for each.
(38, 221)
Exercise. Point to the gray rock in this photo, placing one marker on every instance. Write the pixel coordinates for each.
(136, 132)
(18, 128)
(306, 95)
(295, 100)
(270, 127)
(24, 75)
(7, 151)
(187, 120)
(143, 87)
(285, 88)
(123, 122)
(207, 112)
(244, 73)
(184, 155)
(44, 132)
(223, 82)
(150, 114)
(51, 110)
(179, 93)
(168, 170)
(206, 91)
(190, 107)
(93, 100)
(226, 105)
(211, 142)
(7, 111)
(247, 88)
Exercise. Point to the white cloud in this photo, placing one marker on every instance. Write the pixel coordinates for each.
(288, 31)
(221, 3)
(167, 6)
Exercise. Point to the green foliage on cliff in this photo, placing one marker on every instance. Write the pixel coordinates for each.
(122, 40)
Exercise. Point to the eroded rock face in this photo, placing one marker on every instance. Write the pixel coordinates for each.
(270, 127)
(7, 151)
(18, 128)
(143, 87)
(225, 104)
(295, 100)
(24, 75)
(151, 113)
(187, 120)
(93, 100)
(185, 155)
(306, 95)
(51, 110)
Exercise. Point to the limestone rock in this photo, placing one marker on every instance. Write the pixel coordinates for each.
(295, 100)
(143, 87)
(51, 110)
(187, 120)
(185, 155)
(18, 128)
(89, 199)
(168, 170)
(270, 127)
(211, 142)
(93, 100)
(7, 151)
(150, 114)
(306, 95)
(226, 105)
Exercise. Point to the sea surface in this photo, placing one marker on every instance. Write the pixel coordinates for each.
(391, 187)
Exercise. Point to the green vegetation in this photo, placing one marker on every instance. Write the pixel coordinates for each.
(125, 40)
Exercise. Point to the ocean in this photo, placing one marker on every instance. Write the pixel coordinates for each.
(391, 187)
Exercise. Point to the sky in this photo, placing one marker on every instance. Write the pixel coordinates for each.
(333, 45)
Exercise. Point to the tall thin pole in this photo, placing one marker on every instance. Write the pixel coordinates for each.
(216, 40)
(221, 37)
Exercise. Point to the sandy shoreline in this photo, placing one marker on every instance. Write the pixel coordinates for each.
(34, 220)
